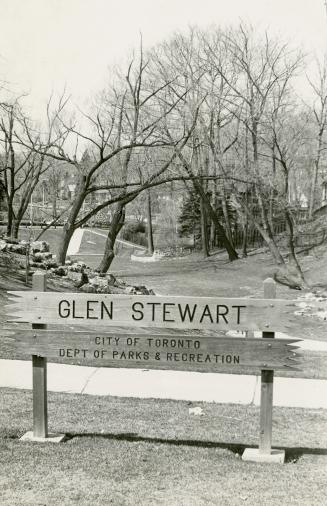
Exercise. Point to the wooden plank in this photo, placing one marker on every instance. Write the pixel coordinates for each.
(39, 367)
(173, 352)
(152, 311)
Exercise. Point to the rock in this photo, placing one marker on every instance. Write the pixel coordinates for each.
(41, 256)
(41, 246)
(142, 290)
(79, 278)
(77, 267)
(197, 411)
(74, 276)
(87, 288)
(20, 249)
(99, 281)
(103, 279)
(137, 290)
(3, 245)
(59, 271)
(92, 288)
(37, 265)
(104, 289)
(111, 280)
(130, 290)
(11, 240)
(50, 264)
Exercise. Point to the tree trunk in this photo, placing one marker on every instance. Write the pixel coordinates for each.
(212, 225)
(149, 224)
(264, 229)
(20, 213)
(245, 239)
(226, 217)
(313, 189)
(245, 215)
(67, 234)
(232, 254)
(214, 206)
(54, 204)
(15, 228)
(314, 180)
(70, 226)
(291, 274)
(204, 231)
(10, 218)
(270, 241)
(272, 195)
(117, 223)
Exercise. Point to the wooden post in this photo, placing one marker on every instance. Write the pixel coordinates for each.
(40, 403)
(267, 384)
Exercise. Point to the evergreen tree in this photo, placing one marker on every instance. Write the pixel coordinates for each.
(189, 220)
(190, 217)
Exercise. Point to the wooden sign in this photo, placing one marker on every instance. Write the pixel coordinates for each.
(177, 351)
(171, 352)
(108, 310)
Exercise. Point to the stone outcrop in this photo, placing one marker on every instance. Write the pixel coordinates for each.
(77, 275)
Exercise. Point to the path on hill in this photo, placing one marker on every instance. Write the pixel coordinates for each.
(76, 241)
(129, 244)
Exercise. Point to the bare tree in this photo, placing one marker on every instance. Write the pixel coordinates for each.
(183, 56)
(125, 118)
(262, 66)
(142, 109)
(288, 130)
(21, 167)
(319, 110)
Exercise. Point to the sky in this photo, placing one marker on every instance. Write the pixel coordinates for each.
(49, 45)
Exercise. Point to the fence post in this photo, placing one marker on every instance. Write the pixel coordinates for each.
(267, 383)
(40, 401)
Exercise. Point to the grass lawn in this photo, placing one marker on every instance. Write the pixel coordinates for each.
(152, 452)
(149, 452)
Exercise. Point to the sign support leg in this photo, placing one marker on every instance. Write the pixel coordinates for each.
(40, 394)
(265, 452)
(40, 401)
(39, 364)
(266, 408)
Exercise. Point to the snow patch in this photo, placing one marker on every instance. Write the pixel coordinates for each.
(75, 242)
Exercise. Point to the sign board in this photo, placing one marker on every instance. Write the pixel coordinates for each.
(109, 310)
(147, 349)
(167, 352)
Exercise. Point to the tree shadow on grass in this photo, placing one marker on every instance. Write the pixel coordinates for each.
(291, 454)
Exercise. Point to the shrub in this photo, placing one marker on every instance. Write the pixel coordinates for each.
(134, 232)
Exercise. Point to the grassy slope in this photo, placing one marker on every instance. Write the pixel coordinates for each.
(194, 275)
(129, 451)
